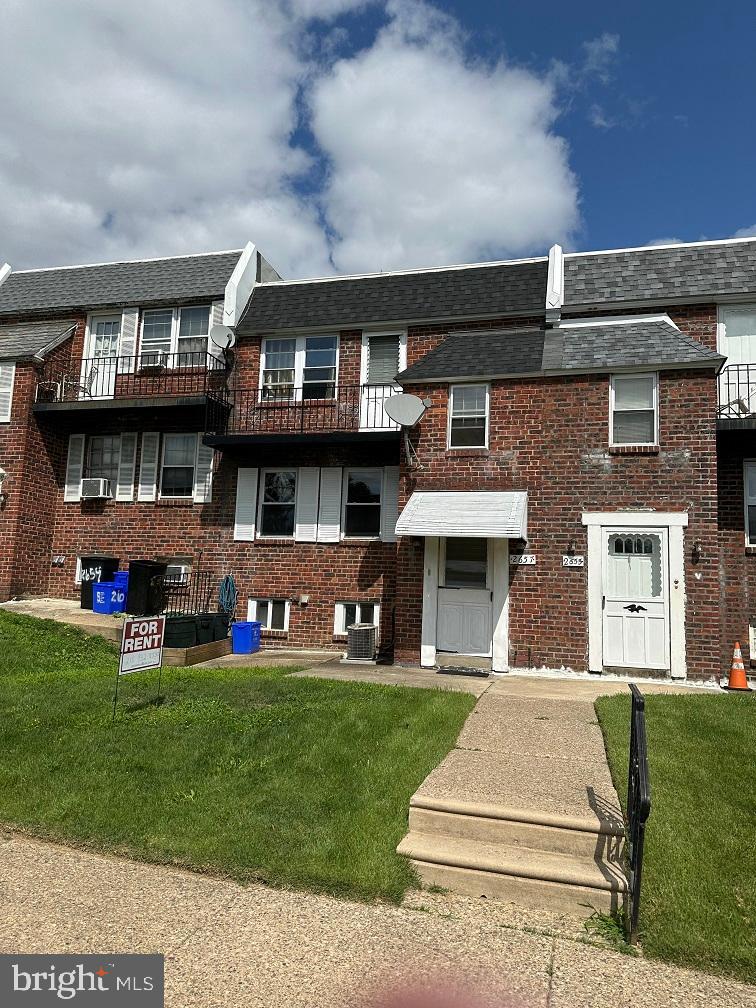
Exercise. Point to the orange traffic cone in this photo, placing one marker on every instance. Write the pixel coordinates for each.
(737, 680)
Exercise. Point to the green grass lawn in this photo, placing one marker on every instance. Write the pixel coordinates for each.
(698, 905)
(244, 772)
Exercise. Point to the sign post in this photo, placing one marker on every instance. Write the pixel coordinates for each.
(141, 649)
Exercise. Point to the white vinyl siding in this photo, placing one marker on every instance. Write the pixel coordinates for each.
(273, 614)
(633, 410)
(74, 468)
(468, 416)
(347, 613)
(246, 505)
(7, 381)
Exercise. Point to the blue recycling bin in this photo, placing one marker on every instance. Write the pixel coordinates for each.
(108, 598)
(245, 637)
(121, 580)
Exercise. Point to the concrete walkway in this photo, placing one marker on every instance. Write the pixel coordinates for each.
(231, 947)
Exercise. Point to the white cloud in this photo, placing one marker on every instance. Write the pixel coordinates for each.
(664, 241)
(435, 157)
(151, 129)
(746, 232)
(599, 55)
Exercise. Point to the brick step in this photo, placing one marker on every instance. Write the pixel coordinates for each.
(518, 874)
(542, 831)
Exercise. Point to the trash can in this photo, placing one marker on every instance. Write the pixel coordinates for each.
(221, 623)
(146, 595)
(180, 631)
(204, 628)
(93, 569)
(245, 637)
(121, 578)
(107, 598)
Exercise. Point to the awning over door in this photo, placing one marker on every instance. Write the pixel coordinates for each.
(485, 514)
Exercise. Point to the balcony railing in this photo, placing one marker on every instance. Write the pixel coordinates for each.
(737, 391)
(146, 375)
(303, 410)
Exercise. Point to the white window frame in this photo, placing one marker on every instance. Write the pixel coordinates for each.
(173, 350)
(89, 335)
(746, 464)
(344, 493)
(634, 444)
(261, 501)
(449, 445)
(339, 616)
(253, 607)
(184, 497)
(366, 334)
(85, 460)
(299, 364)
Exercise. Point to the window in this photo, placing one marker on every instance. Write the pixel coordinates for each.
(177, 470)
(103, 457)
(104, 332)
(175, 337)
(468, 416)
(382, 358)
(304, 367)
(272, 613)
(465, 563)
(347, 613)
(749, 487)
(633, 409)
(362, 502)
(277, 504)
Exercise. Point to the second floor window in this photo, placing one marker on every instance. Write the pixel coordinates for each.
(177, 471)
(634, 418)
(175, 337)
(299, 367)
(468, 416)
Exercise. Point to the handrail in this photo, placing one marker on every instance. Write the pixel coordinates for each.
(737, 391)
(148, 373)
(638, 806)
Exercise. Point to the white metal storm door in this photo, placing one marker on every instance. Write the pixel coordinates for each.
(464, 597)
(100, 364)
(636, 599)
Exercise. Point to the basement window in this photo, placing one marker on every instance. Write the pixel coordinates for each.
(273, 614)
(347, 613)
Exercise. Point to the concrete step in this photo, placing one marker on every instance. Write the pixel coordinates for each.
(518, 874)
(529, 828)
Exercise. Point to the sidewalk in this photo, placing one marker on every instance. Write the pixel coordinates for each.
(230, 947)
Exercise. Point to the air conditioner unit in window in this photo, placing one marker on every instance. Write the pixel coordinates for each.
(153, 360)
(95, 489)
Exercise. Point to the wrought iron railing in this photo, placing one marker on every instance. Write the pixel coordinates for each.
(147, 374)
(737, 391)
(638, 807)
(303, 410)
(190, 594)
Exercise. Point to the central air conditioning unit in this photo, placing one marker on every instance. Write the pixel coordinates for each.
(361, 642)
(95, 489)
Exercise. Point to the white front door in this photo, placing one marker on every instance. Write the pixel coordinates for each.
(635, 575)
(100, 365)
(464, 597)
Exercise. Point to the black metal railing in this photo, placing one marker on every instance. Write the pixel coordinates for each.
(737, 391)
(306, 409)
(149, 373)
(190, 594)
(638, 807)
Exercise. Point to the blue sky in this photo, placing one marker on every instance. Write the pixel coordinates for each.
(360, 135)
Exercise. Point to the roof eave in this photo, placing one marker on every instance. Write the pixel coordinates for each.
(715, 363)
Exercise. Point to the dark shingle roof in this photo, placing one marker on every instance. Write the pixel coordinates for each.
(467, 292)
(661, 275)
(22, 340)
(115, 285)
(567, 349)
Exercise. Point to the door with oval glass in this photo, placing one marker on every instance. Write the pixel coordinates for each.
(636, 598)
(464, 597)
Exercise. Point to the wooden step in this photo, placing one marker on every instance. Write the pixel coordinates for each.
(532, 878)
(516, 827)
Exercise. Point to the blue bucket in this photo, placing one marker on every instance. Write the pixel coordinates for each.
(245, 637)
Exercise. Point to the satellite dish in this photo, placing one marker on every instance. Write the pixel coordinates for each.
(403, 409)
(222, 336)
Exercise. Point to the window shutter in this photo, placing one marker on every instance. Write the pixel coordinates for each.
(390, 503)
(329, 509)
(203, 473)
(128, 340)
(148, 467)
(306, 521)
(126, 466)
(74, 468)
(216, 318)
(246, 505)
(7, 378)
(383, 359)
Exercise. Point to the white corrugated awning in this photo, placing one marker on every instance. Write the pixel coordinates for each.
(484, 514)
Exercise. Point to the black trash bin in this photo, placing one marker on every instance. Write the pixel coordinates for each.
(95, 568)
(221, 625)
(146, 595)
(205, 628)
(180, 631)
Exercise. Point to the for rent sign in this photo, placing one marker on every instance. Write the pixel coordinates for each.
(142, 645)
